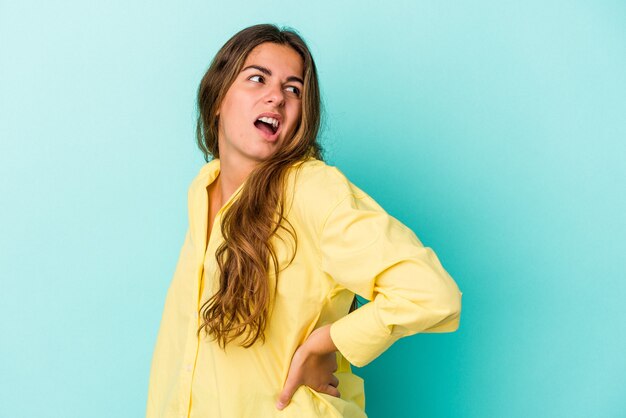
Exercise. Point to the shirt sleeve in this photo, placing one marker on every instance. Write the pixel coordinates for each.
(374, 255)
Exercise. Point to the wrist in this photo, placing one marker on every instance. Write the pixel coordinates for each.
(320, 342)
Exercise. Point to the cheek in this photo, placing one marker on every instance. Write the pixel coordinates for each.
(231, 116)
(297, 114)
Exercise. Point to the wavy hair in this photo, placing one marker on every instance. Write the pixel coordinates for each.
(242, 303)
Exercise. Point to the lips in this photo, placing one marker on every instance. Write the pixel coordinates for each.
(276, 116)
(267, 134)
(265, 130)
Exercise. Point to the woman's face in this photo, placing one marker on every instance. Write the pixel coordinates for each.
(270, 82)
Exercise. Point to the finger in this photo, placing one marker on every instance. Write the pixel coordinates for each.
(331, 390)
(285, 396)
(333, 362)
(334, 381)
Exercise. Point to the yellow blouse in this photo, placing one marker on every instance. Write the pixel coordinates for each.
(347, 244)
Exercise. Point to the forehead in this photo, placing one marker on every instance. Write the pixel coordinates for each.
(282, 59)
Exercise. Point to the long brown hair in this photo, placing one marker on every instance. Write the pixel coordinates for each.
(242, 303)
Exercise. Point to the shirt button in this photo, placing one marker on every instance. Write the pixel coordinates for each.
(189, 367)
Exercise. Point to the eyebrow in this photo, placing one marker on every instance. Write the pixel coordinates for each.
(268, 72)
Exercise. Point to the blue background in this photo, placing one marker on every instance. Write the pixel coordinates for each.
(495, 130)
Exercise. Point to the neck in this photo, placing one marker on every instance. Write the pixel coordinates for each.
(233, 172)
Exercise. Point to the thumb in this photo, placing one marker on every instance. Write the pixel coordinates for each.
(285, 396)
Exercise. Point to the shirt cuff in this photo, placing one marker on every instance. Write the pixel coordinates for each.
(360, 336)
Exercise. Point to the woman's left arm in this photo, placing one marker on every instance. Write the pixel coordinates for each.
(374, 255)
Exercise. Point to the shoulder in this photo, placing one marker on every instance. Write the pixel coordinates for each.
(317, 180)
(317, 188)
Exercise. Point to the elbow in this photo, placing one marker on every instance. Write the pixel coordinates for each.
(445, 299)
(441, 314)
(448, 313)
(453, 303)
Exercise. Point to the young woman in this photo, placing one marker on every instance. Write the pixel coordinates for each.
(260, 319)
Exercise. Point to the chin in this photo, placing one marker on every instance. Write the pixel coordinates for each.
(260, 156)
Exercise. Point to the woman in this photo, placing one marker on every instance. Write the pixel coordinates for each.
(260, 319)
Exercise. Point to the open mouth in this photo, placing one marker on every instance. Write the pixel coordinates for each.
(267, 127)
(270, 125)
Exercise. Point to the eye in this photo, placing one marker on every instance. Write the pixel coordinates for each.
(297, 90)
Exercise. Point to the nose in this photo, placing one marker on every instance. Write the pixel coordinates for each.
(275, 95)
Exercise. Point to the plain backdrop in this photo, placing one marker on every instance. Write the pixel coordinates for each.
(495, 130)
